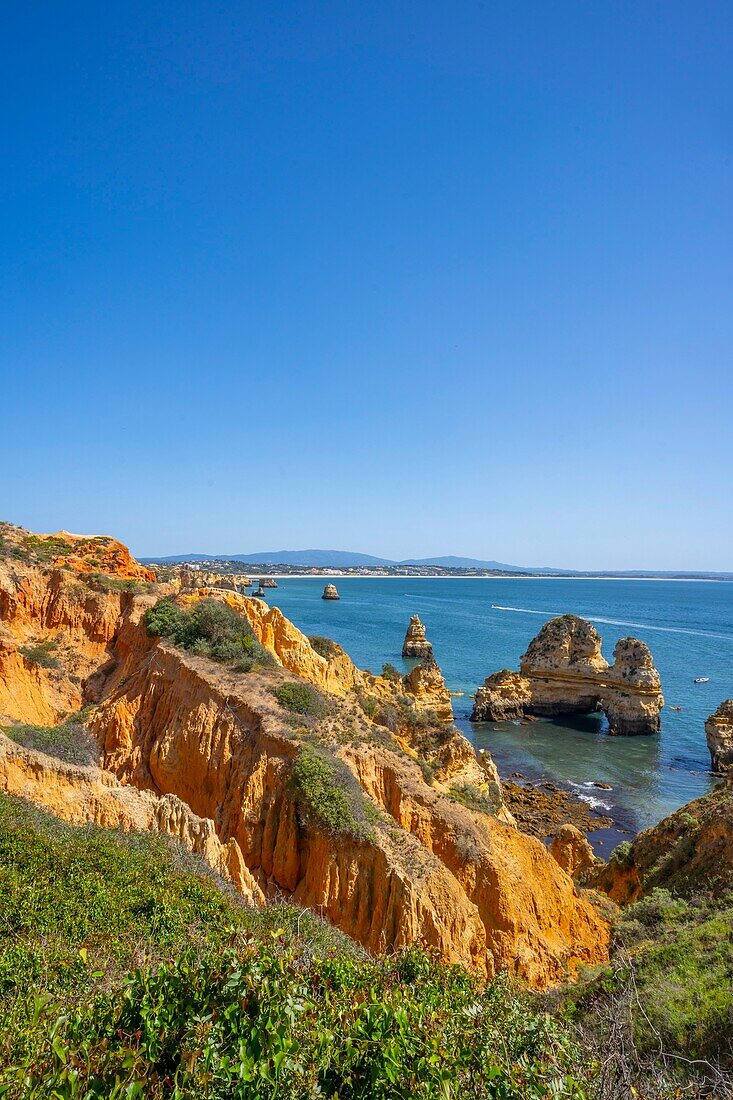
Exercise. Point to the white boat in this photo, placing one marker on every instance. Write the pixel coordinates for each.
(701, 679)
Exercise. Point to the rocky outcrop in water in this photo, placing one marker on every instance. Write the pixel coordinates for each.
(504, 696)
(416, 644)
(564, 672)
(719, 734)
(330, 592)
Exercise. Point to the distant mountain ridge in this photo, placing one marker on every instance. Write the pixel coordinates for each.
(348, 559)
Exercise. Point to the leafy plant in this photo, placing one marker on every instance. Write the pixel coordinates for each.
(324, 647)
(325, 790)
(389, 672)
(69, 742)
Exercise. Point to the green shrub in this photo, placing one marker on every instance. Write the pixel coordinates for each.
(324, 647)
(209, 629)
(622, 854)
(300, 698)
(325, 790)
(41, 654)
(69, 742)
(105, 582)
(389, 672)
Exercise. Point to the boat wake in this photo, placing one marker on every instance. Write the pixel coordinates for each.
(619, 622)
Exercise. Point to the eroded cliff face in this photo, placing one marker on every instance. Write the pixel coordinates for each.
(469, 885)
(719, 735)
(81, 795)
(206, 754)
(75, 627)
(564, 672)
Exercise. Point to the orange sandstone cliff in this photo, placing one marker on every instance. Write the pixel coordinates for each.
(192, 748)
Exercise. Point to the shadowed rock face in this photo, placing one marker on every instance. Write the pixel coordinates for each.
(416, 644)
(719, 734)
(564, 672)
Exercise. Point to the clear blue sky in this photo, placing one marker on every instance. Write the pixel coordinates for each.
(407, 278)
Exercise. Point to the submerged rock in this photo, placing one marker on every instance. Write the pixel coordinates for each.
(416, 644)
(564, 672)
(330, 592)
(719, 734)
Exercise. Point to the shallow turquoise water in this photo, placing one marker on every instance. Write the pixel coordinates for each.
(480, 625)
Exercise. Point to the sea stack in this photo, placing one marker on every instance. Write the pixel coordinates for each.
(268, 582)
(416, 644)
(564, 672)
(719, 734)
(330, 592)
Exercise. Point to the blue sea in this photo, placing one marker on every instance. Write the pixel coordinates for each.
(480, 625)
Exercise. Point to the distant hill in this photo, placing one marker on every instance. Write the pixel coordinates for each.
(348, 559)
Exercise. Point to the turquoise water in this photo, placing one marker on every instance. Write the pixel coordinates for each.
(687, 625)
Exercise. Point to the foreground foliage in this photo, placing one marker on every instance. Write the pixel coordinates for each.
(662, 1014)
(128, 970)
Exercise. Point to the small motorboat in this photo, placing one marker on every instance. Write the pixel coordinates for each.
(675, 708)
(701, 679)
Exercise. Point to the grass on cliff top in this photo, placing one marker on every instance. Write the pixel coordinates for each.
(83, 907)
(69, 742)
(128, 971)
(209, 629)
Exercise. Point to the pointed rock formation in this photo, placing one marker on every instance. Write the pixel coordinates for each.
(330, 592)
(564, 672)
(416, 644)
(719, 734)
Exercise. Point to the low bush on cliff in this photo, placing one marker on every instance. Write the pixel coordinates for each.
(41, 654)
(325, 789)
(324, 647)
(105, 582)
(209, 629)
(83, 907)
(127, 969)
(69, 742)
(300, 698)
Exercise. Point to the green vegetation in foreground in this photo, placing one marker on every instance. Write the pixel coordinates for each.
(325, 789)
(662, 1014)
(69, 742)
(106, 582)
(209, 629)
(127, 970)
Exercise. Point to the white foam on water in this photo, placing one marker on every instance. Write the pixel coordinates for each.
(619, 622)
